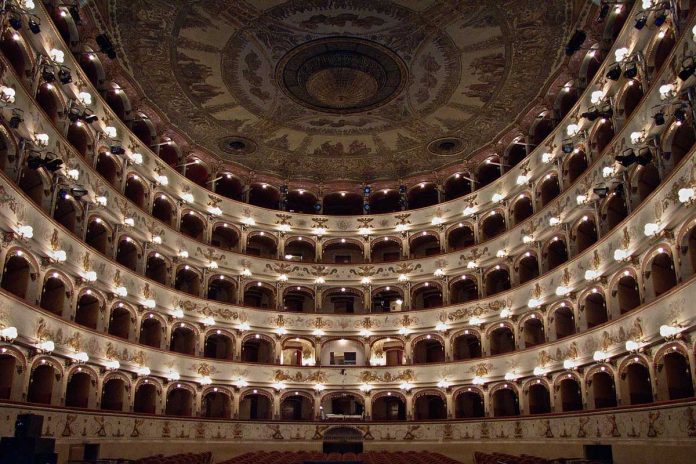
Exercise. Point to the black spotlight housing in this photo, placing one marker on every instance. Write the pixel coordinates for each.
(54, 164)
(659, 118)
(644, 156)
(660, 18)
(601, 192)
(15, 121)
(75, 13)
(402, 189)
(641, 21)
(614, 72)
(575, 42)
(64, 76)
(631, 70)
(34, 26)
(680, 115)
(15, 22)
(79, 191)
(687, 70)
(317, 207)
(568, 147)
(89, 118)
(74, 115)
(48, 75)
(603, 11)
(117, 150)
(590, 115)
(34, 162)
(627, 158)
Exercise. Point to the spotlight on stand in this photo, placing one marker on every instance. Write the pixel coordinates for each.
(567, 147)
(317, 207)
(48, 74)
(105, 46)
(631, 70)
(627, 158)
(680, 115)
(659, 118)
(660, 18)
(575, 42)
(64, 76)
(641, 21)
(644, 156)
(54, 164)
(601, 192)
(79, 191)
(16, 119)
(367, 189)
(34, 26)
(117, 150)
(15, 22)
(614, 72)
(688, 68)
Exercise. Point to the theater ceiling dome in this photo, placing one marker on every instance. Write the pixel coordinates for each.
(354, 89)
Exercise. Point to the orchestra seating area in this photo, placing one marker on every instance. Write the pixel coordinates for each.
(370, 457)
(186, 458)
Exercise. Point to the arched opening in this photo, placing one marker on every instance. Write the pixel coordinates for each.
(113, 395)
(32, 184)
(570, 394)
(78, 137)
(677, 376)
(505, 403)
(549, 189)
(539, 398)
(183, 340)
(179, 402)
(300, 201)
(603, 390)
(427, 351)
(108, 168)
(54, 295)
(576, 165)
(255, 407)
(387, 299)
(385, 201)
(257, 350)
(343, 252)
(469, 404)
(647, 181)
(527, 268)
(487, 172)
(522, 209)
(466, 346)
(389, 408)
(564, 322)
(615, 211)
(515, 154)
(460, 237)
(187, 281)
(229, 186)
(424, 245)
(300, 249)
(688, 251)
(533, 332)
(462, 290)
(16, 276)
(342, 204)
(87, 310)
(343, 301)
(342, 352)
(120, 323)
(632, 97)
(542, 128)
(264, 195)
(259, 296)
(78, 390)
(638, 385)
(425, 194)
(585, 235)
(342, 406)
(502, 340)
(117, 101)
(192, 226)
(682, 141)
(48, 101)
(169, 153)
(217, 405)
(222, 289)
(156, 268)
(385, 250)
(224, 237)
(296, 407)
(66, 212)
(457, 186)
(196, 172)
(595, 307)
(12, 46)
(261, 245)
(41, 384)
(426, 296)
(127, 254)
(218, 346)
(492, 226)
(566, 100)
(663, 50)
(556, 254)
(602, 137)
(8, 366)
(299, 300)
(430, 407)
(143, 128)
(163, 209)
(97, 235)
(662, 274)
(497, 280)
(627, 293)
(151, 332)
(145, 399)
(135, 191)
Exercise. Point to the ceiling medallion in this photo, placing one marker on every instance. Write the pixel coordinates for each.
(446, 146)
(341, 75)
(235, 145)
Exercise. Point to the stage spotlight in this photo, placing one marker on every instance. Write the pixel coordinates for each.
(15, 121)
(575, 42)
(568, 147)
(117, 150)
(603, 11)
(680, 115)
(402, 189)
(64, 76)
(660, 18)
(89, 118)
(367, 189)
(34, 26)
(366, 207)
(644, 156)
(15, 22)
(79, 191)
(687, 70)
(54, 164)
(659, 118)
(34, 162)
(614, 72)
(641, 21)
(601, 192)
(590, 115)
(75, 13)
(631, 70)
(48, 75)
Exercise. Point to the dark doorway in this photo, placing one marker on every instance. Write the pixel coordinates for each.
(343, 440)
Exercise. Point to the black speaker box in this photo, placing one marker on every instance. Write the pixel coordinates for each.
(28, 425)
(27, 450)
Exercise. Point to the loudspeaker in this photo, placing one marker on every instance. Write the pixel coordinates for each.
(28, 425)
(27, 450)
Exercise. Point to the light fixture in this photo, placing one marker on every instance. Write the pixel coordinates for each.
(539, 371)
(80, 357)
(478, 380)
(592, 275)
(8, 334)
(621, 255)
(687, 195)
(162, 179)
(596, 96)
(46, 346)
(572, 130)
(208, 321)
(57, 55)
(7, 94)
(121, 291)
(632, 345)
(187, 197)
(568, 364)
(547, 157)
(651, 229)
(150, 303)
(25, 231)
(441, 327)
(522, 179)
(669, 331)
(600, 356)
(59, 256)
(497, 197)
(173, 376)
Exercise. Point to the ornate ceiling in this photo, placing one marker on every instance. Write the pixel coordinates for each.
(344, 89)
